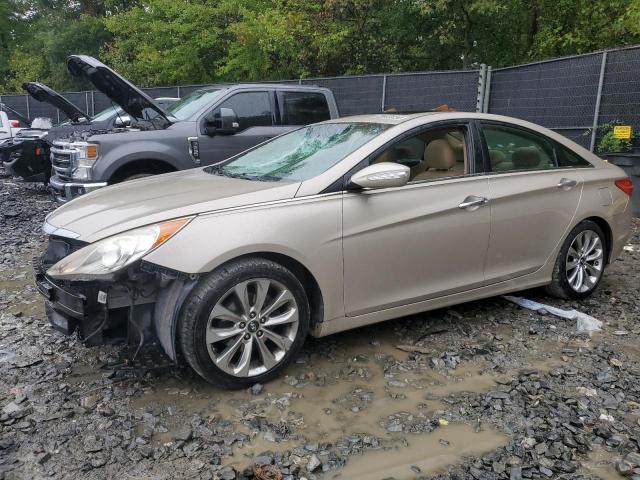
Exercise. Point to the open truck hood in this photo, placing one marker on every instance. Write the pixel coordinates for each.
(115, 209)
(132, 100)
(43, 93)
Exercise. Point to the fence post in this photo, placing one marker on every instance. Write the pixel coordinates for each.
(482, 77)
(86, 102)
(93, 104)
(596, 112)
(384, 91)
(487, 91)
(58, 114)
(178, 92)
(28, 109)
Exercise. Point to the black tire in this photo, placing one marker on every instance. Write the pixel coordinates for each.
(194, 317)
(560, 286)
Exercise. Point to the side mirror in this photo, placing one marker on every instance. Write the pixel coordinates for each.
(381, 175)
(224, 122)
(122, 121)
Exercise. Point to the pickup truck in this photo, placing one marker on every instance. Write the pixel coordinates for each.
(208, 125)
(27, 154)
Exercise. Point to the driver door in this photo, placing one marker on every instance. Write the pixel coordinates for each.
(256, 123)
(417, 242)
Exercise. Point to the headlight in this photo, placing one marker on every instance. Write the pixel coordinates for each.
(85, 156)
(114, 253)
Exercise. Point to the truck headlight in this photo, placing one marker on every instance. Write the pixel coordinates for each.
(114, 253)
(86, 154)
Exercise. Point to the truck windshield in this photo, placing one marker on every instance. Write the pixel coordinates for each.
(301, 154)
(192, 103)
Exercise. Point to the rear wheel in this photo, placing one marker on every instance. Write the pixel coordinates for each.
(244, 323)
(580, 263)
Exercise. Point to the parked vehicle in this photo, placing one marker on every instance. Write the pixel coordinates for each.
(206, 126)
(28, 154)
(11, 122)
(330, 227)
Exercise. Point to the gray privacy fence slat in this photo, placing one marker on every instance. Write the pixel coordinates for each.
(569, 94)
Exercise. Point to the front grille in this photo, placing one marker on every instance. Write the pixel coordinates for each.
(62, 160)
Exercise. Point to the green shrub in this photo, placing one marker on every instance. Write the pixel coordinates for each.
(610, 144)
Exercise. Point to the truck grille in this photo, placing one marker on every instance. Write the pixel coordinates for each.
(62, 159)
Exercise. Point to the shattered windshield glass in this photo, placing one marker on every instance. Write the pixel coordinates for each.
(301, 154)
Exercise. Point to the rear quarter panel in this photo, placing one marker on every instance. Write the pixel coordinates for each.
(601, 198)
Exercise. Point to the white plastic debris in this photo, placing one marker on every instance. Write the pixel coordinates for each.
(585, 323)
(606, 417)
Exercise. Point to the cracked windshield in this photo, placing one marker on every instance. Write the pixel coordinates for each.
(302, 154)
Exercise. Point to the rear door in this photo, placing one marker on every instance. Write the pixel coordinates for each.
(532, 200)
(298, 108)
(255, 110)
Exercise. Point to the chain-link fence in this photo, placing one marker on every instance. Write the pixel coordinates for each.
(571, 95)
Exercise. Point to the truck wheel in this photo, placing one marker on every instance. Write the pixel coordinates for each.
(244, 323)
(580, 263)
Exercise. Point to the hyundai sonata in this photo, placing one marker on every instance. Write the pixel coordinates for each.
(330, 227)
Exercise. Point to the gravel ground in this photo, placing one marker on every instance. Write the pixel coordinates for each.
(484, 390)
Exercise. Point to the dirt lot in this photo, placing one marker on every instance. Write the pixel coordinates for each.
(484, 390)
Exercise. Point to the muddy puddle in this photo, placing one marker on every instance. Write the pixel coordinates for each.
(422, 454)
(351, 387)
(601, 464)
(15, 282)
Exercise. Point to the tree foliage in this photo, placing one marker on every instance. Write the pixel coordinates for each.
(164, 42)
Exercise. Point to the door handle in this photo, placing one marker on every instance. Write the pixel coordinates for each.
(567, 183)
(473, 202)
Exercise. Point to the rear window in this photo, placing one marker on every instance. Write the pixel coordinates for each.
(303, 108)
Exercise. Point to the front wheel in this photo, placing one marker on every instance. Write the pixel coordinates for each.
(244, 323)
(580, 263)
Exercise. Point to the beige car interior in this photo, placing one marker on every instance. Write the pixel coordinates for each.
(510, 151)
(430, 155)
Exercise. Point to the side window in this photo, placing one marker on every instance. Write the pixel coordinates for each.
(567, 158)
(514, 149)
(431, 154)
(252, 108)
(303, 108)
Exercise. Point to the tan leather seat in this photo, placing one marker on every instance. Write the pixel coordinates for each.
(525, 158)
(439, 161)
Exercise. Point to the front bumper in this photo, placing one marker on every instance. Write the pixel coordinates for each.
(64, 191)
(137, 306)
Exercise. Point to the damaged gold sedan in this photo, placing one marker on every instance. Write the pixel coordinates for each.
(330, 227)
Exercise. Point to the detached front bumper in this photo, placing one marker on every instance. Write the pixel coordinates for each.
(63, 191)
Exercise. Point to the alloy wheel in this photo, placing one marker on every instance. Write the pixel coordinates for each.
(584, 262)
(252, 327)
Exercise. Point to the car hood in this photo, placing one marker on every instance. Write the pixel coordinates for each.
(132, 100)
(136, 203)
(43, 93)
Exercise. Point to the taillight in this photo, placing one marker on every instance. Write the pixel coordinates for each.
(14, 123)
(626, 185)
